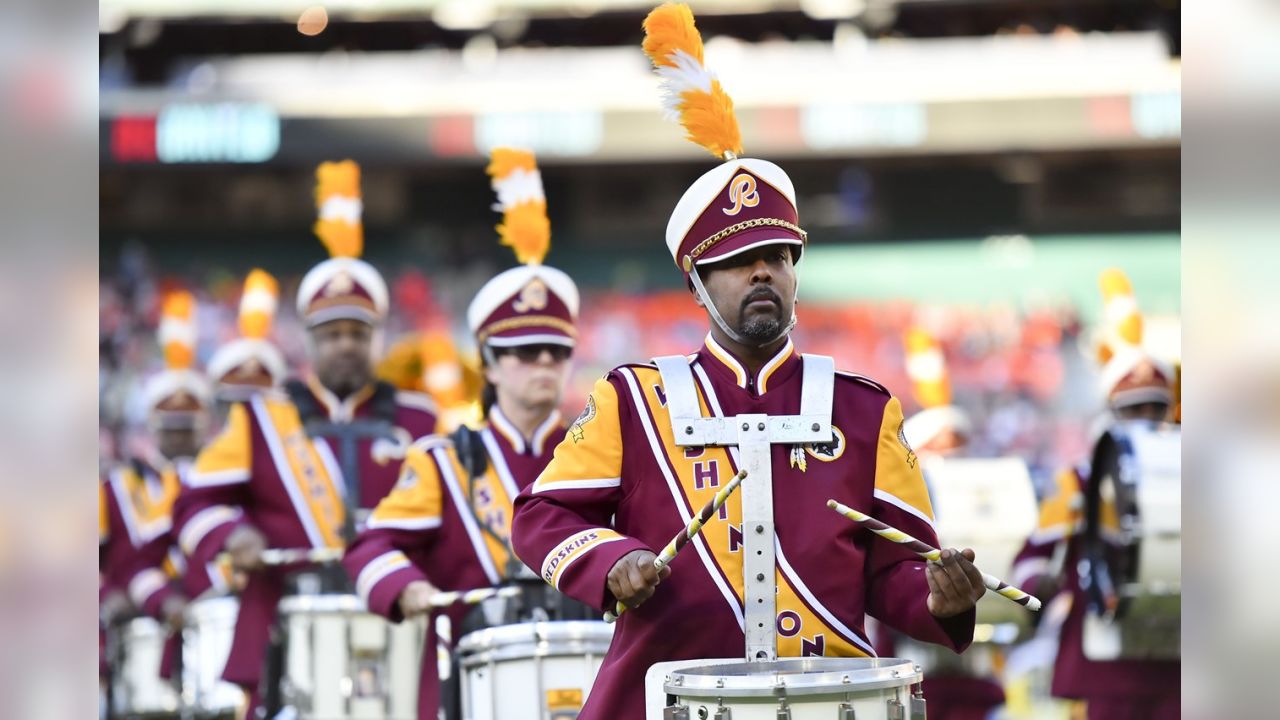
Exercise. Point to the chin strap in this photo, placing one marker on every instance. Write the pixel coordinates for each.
(701, 291)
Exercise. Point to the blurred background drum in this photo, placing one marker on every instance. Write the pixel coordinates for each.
(206, 643)
(539, 671)
(137, 690)
(1132, 571)
(341, 661)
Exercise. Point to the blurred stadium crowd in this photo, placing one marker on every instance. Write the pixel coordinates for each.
(1025, 376)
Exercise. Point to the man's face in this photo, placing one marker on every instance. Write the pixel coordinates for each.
(177, 442)
(754, 290)
(343, 355)
(1154, 411)
(531, 375)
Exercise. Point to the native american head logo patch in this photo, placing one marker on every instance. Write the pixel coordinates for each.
(588, 414)
(829, 451)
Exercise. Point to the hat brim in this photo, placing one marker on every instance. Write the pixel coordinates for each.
(749, 240)
(530, 336)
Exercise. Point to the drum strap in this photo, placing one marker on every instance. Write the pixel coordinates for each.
(754, 435)
(475, 460)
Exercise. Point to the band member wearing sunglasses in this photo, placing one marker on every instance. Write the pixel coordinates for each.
(447, 525)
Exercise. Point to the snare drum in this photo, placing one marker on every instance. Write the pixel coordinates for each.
(509, 671)
(137, 690)
(1132, 545)
(816, 688)
(206, 644)
(341, 661)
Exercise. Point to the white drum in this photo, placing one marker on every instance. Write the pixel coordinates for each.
(1131, 569)
(988, 505)
(137, 690)
(509, 671)
(817, 688)
(206, 644)
(341, 661)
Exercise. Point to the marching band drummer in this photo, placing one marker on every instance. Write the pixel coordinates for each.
(619, 486)
(295, 470)
(447, 524)
(138, 562)
(1137, 387)
(239, 369)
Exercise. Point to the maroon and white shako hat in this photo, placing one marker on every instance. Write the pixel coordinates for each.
(344, 286)
(527, 305)
(735, 207)
(532, 304)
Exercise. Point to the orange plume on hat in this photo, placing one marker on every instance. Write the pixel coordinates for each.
(525, 227)
(177, 331)
(258, 304)
(339, 205)
(1122, 322)
(692, 95)
(927, 368)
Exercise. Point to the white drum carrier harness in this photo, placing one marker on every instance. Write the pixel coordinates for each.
(753, 435)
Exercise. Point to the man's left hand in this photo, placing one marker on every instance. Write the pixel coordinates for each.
(955, 584)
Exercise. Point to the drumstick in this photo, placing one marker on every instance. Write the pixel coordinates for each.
(471, 597)
(1031, 602)
(683, 537)
(289, 556)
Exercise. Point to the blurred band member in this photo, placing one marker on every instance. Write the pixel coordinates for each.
(448, 523)
(1136, 387)
(297, 470)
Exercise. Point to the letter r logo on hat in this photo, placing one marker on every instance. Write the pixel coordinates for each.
(742, 193)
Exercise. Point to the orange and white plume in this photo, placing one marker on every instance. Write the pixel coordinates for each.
(177, 333)
(927, 368)
(340, 208)
(1122, 322)
(691, 94)
(258, 304)
(525, 227)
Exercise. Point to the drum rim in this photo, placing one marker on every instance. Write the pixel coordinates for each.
(323, 604)
(752, 679)
(554, 638)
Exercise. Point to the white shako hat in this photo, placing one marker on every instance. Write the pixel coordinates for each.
(531, 304)
(743, 203)
(344, 286)
(250, 363)
(1130, 375)
(178, 396)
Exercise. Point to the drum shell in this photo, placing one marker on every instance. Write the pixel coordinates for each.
(342, 661)
(509, 669)
(206, 643)
(815, 688)
(1133, 543)
(137, 690)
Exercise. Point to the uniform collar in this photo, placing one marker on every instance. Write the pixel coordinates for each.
(339, 410)
(777, 368)
(515, 439)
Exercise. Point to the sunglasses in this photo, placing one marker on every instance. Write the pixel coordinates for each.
(530, 354)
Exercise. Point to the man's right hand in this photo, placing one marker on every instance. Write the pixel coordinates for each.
(245, 545)
(415, 598)
(633, 578)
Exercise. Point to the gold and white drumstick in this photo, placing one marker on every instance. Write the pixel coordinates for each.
(888, 532)
(684, 536)
(471, 597)
(289, 556)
